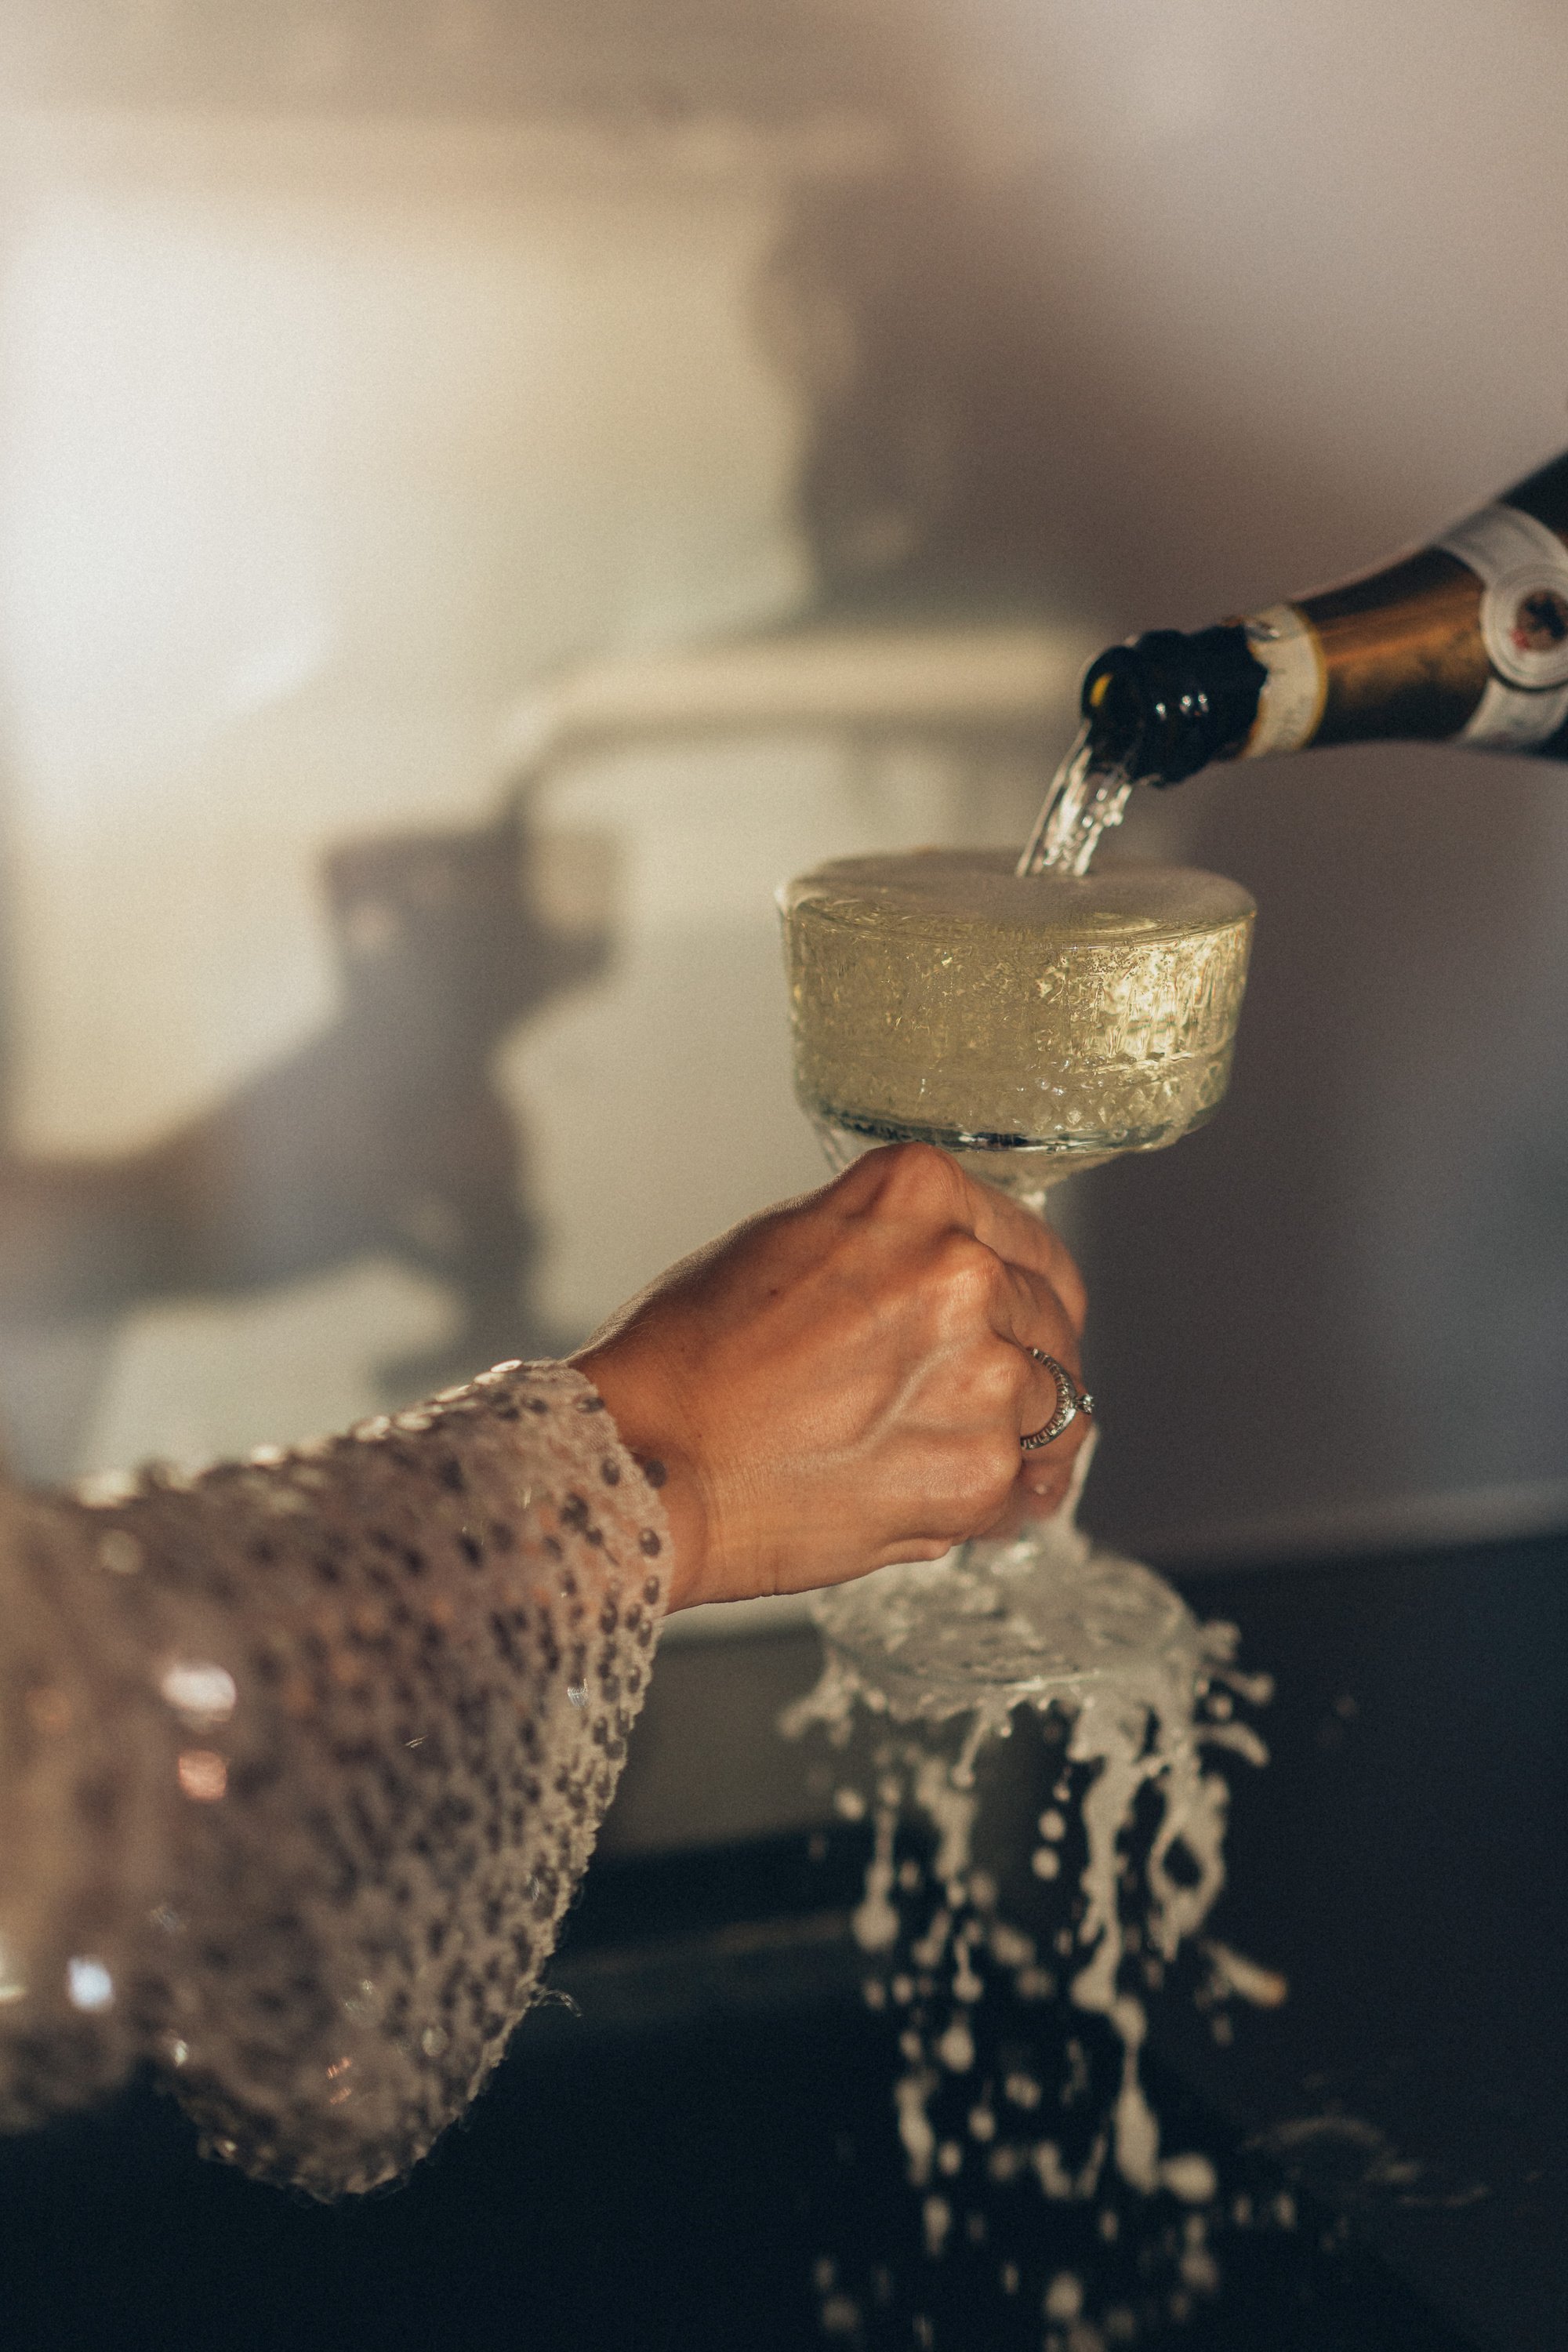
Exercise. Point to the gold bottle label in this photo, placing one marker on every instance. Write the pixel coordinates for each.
(1290, 704)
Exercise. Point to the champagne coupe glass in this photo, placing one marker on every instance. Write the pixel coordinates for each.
(1032, 1025)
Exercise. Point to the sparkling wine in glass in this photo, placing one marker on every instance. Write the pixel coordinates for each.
(1032, 1024)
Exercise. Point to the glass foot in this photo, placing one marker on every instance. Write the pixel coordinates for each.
(992, 1626)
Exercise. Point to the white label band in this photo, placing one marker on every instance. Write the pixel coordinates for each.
(1515, 722)
(1523, 569)
(1290, 704)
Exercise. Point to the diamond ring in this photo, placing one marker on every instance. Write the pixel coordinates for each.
(1070, 1402)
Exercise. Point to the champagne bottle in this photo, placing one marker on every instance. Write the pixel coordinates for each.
(1465, 641)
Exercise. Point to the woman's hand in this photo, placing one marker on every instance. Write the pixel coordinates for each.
(844, 1382)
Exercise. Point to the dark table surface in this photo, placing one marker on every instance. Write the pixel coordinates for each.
(670, 2167)
(1405, 1860)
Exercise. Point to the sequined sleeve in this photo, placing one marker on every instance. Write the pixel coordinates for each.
(300, 1761)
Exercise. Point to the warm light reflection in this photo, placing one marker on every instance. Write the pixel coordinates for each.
(203, 1775)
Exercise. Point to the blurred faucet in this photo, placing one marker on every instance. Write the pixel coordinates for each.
(1006, 686)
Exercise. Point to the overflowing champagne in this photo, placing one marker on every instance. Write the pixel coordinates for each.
(1031, 1024)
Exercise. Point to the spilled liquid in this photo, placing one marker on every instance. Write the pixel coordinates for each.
(1021, 2012)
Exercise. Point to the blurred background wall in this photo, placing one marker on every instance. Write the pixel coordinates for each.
(377, 377)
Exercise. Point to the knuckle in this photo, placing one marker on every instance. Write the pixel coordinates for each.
(1001, 1377)
(920, 1174)
(1070, 1290)
(965, 1272)
(1065, 1277)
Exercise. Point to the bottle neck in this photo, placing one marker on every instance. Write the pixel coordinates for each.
(1164, 705)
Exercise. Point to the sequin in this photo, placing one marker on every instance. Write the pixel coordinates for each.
(401, 1802)
(88, 1984)
(119, 1552)
(106, 1489)
(48, 1710)
(201, 1691)
(286, 1502)
(203, 1775)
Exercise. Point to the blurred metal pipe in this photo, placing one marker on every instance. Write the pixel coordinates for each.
(1010, 681)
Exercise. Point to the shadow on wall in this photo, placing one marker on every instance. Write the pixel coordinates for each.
(1347, 1299)
(1357, 1270)
(981, 426)
(382, 1135)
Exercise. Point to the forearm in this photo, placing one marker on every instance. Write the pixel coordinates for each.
(331, 1737)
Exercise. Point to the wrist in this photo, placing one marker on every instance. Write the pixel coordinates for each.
(640, 1413)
